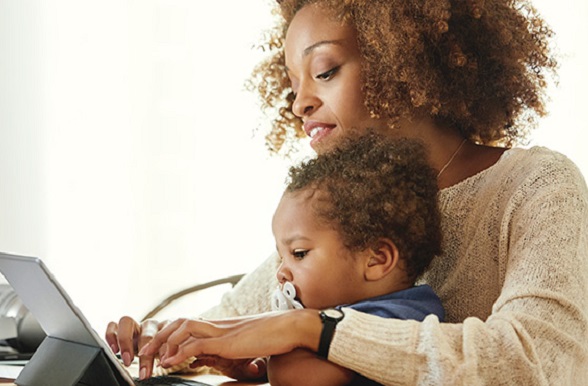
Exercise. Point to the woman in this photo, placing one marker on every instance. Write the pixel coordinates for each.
(460, 76)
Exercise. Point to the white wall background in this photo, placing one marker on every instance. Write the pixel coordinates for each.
(128, 159)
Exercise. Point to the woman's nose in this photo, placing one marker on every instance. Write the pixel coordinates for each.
(306, 101)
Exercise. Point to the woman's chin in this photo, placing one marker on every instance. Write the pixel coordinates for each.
(324, 141)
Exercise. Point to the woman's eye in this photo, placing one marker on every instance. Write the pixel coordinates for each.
(300, 253)
(329, 74)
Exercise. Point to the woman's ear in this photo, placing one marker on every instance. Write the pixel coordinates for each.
(381, 260)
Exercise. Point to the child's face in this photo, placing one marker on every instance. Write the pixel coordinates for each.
(314, 259)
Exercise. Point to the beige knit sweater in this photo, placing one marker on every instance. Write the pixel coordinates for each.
(513, 279)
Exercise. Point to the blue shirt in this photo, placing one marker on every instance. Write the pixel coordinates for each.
(414, 303)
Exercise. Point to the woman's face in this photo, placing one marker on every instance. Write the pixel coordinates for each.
(324, 66)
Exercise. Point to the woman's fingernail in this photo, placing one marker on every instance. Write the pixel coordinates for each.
(143, 350)
(166, 361)
(126, 357)
(113, 348)
(143, 373)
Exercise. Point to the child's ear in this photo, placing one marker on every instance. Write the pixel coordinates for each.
(382, 259)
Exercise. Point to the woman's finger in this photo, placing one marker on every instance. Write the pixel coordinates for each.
(161, 337)
(128, 332)
(112, 336)
(149, 329)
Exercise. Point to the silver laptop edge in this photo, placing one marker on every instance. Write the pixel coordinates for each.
(46, 299)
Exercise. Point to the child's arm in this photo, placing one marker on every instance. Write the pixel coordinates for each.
(302, 367)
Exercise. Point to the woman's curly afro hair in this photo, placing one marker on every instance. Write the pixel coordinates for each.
(480, 66)
(372, 187)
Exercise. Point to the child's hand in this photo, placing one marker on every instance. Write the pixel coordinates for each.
(239, 369)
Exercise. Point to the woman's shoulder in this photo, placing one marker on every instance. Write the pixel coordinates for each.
(520, 164)
(538, 163)
(520, 172)
(534, 154)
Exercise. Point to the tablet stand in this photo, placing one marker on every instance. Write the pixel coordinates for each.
(65, 363)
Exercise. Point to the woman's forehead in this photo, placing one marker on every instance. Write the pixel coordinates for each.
(313, 25)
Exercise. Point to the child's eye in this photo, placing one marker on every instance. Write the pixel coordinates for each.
(328, 74)
(300, 253)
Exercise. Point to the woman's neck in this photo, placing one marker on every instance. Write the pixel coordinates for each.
(453, 157)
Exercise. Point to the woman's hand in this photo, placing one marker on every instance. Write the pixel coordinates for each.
(242, 338)
(129, 336)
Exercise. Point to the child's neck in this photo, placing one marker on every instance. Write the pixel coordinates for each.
(389, 284)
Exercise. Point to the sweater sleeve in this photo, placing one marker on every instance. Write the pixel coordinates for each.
(252, 293)
(537, 333)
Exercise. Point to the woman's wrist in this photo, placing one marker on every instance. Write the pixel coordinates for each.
(307, 326)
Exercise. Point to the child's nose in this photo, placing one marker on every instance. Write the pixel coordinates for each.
(283, 274)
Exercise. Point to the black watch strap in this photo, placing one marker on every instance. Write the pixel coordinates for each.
(330, 318)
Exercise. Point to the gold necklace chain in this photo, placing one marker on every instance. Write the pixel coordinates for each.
(452, 157)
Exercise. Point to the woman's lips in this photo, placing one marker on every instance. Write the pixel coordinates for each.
(317, 130)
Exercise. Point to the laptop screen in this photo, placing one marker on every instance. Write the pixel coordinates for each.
(52, 307)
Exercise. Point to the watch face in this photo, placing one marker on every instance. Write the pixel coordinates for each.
(333, 313)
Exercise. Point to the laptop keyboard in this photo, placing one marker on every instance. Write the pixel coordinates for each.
(167, 380)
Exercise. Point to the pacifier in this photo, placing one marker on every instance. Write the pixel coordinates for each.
(284, 298)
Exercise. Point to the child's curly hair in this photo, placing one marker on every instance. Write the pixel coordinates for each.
(372, 187)
(477, 65)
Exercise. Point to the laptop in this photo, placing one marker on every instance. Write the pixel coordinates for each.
(72, 353)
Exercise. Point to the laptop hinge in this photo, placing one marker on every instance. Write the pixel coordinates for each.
(64, 363)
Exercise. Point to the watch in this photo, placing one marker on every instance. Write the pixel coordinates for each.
(330, 317)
